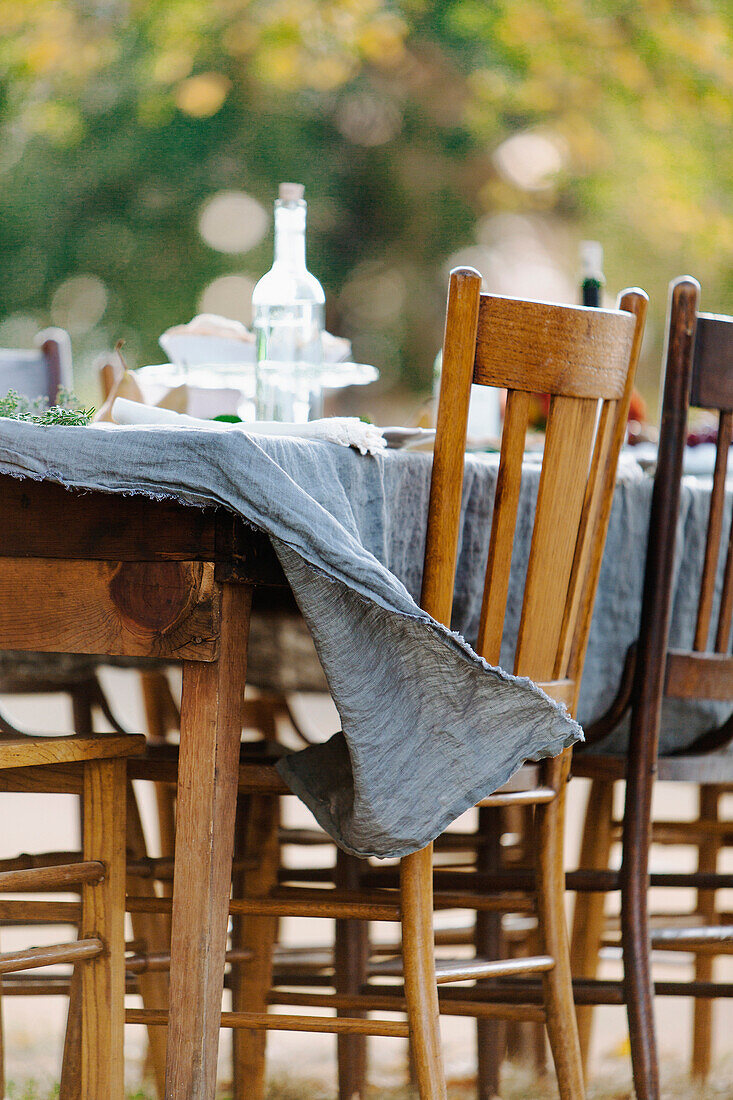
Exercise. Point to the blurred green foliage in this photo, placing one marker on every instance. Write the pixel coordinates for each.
(120, 118)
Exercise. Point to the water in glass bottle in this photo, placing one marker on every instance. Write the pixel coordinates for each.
(288, 307)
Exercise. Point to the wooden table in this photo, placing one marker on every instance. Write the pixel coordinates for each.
(130, 576)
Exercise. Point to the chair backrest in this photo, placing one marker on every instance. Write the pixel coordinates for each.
(585, 359)
(712, 388)
(38, 372)
(698, 374)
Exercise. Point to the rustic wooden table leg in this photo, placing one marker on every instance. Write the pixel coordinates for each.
(207, 794)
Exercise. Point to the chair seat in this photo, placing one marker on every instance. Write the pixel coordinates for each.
(714, 767)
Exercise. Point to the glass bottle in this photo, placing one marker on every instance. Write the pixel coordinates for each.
(591, 272)
(288, 313)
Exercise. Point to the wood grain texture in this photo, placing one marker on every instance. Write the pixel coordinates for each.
(40, 752)
(256, 935)
(103, 915)
(707, 862)
(649, 686)
(29, 958)
(634, 302)
(588, 914)
(154, 932)
(42, 519)
(421, 991)
(154, 609)
(698, 675)
(586, 360)
(501, 539)
(211, 724)
(55, 877)
(540, 347)
(441, 542)
(562, 489)
(714, 531)
(45, 520)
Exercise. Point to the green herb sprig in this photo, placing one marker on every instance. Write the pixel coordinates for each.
(68, 410)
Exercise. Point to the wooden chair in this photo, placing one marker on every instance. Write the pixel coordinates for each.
(699, 373)
(586, 359)
(41, 371)
(93, 767)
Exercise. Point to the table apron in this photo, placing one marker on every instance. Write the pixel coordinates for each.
(167, 610)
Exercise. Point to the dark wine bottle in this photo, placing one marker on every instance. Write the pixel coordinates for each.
(591, 272)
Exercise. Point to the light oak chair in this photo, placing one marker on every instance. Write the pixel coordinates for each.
(699, 373)
(93, 767)
(586, 359)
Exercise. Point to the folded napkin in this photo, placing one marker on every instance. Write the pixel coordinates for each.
(348, 431)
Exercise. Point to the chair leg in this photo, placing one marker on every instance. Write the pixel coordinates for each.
(421, 990)
(489, 1033)
(638, 987)
(150, 929)
(2, 1042)
(103, 914)
(208, 770)
(251, 980)
(71, 1072)
(561, 1022)
(70, 1084)
(702, 1037)
(161, 717)
(525, 1042)
(351, 956)
(588, 915)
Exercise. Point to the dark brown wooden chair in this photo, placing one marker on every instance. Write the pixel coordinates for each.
(699, 373)
(93, 767)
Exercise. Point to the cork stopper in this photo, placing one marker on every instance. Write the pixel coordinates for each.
(291, 192)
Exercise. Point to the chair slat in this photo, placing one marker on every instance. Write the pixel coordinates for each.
(715, 527)
(504, 519)
(725, 614)
(636, 303)
(592, 507)
(712, 372)
(568, 442)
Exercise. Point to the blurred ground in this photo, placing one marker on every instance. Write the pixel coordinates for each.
(34, 1026)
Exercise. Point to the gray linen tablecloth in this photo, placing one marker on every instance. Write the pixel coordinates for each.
(428, 728)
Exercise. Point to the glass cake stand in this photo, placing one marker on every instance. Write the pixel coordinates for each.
(220, 388)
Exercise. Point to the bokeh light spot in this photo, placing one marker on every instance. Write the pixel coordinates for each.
(368, 120)
(374, 295)
(18, 330)
(229, 296)
(79, 303)
(201, 96)
(233, 221)
(531, 160)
